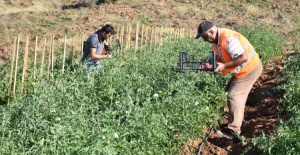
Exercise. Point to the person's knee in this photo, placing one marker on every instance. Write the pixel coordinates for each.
(230, 97)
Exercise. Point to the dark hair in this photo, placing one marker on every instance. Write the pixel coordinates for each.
(107, 29)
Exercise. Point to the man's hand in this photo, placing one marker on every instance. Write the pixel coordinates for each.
(221, 67)
(206, 66)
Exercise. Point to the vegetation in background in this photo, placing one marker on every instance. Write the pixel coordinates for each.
(267, 42)
(296, 32)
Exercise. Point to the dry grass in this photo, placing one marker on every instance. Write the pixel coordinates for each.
(37, 6)
(181, 11)
(207, 14)
(196, 10)
(163, 14)
(253, 10)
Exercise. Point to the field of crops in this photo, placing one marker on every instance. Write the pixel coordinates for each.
(140, 103)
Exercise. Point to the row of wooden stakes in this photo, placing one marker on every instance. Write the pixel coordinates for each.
(144, 36)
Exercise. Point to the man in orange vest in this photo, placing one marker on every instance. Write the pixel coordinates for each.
(236, 55)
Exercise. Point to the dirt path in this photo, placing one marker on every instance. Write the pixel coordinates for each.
(260, 115)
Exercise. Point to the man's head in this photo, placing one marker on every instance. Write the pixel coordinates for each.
(106, 31)
(207, 31)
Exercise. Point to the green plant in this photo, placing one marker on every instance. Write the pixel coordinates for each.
(144, 19)
(138, 5)
(287, 132)
(132, 102)
(268, 43)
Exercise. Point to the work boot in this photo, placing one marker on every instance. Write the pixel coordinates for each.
(232, 135)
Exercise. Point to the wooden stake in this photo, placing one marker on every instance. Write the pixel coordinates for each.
(122, 39)
(121, 35)
(72, 51)
(118, 38)
(142, 36)
(151, 39)
(49, 58)
(64, 56)
(179, 32)
(11, 70)
(137, 36)
(75, 47)
(25, 65)
(155, 35)
(129, 36)
(43, 57)
(118, 33)
(146, 35)
(52, 56)
(16, 65)
(126, 37)
(34, 64)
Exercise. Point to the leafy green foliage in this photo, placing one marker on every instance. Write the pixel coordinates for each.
(137, 103)
(287, 136)
(266, 42)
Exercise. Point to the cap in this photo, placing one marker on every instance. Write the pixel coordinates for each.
(203, 27)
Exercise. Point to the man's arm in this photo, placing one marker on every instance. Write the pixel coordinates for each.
(95, 56)
(233, 63)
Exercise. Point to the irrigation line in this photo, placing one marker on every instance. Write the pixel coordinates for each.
(202, 143)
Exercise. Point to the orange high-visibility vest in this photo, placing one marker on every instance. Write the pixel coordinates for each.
(223, 56)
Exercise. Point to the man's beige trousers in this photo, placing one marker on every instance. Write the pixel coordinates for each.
(238, 91)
